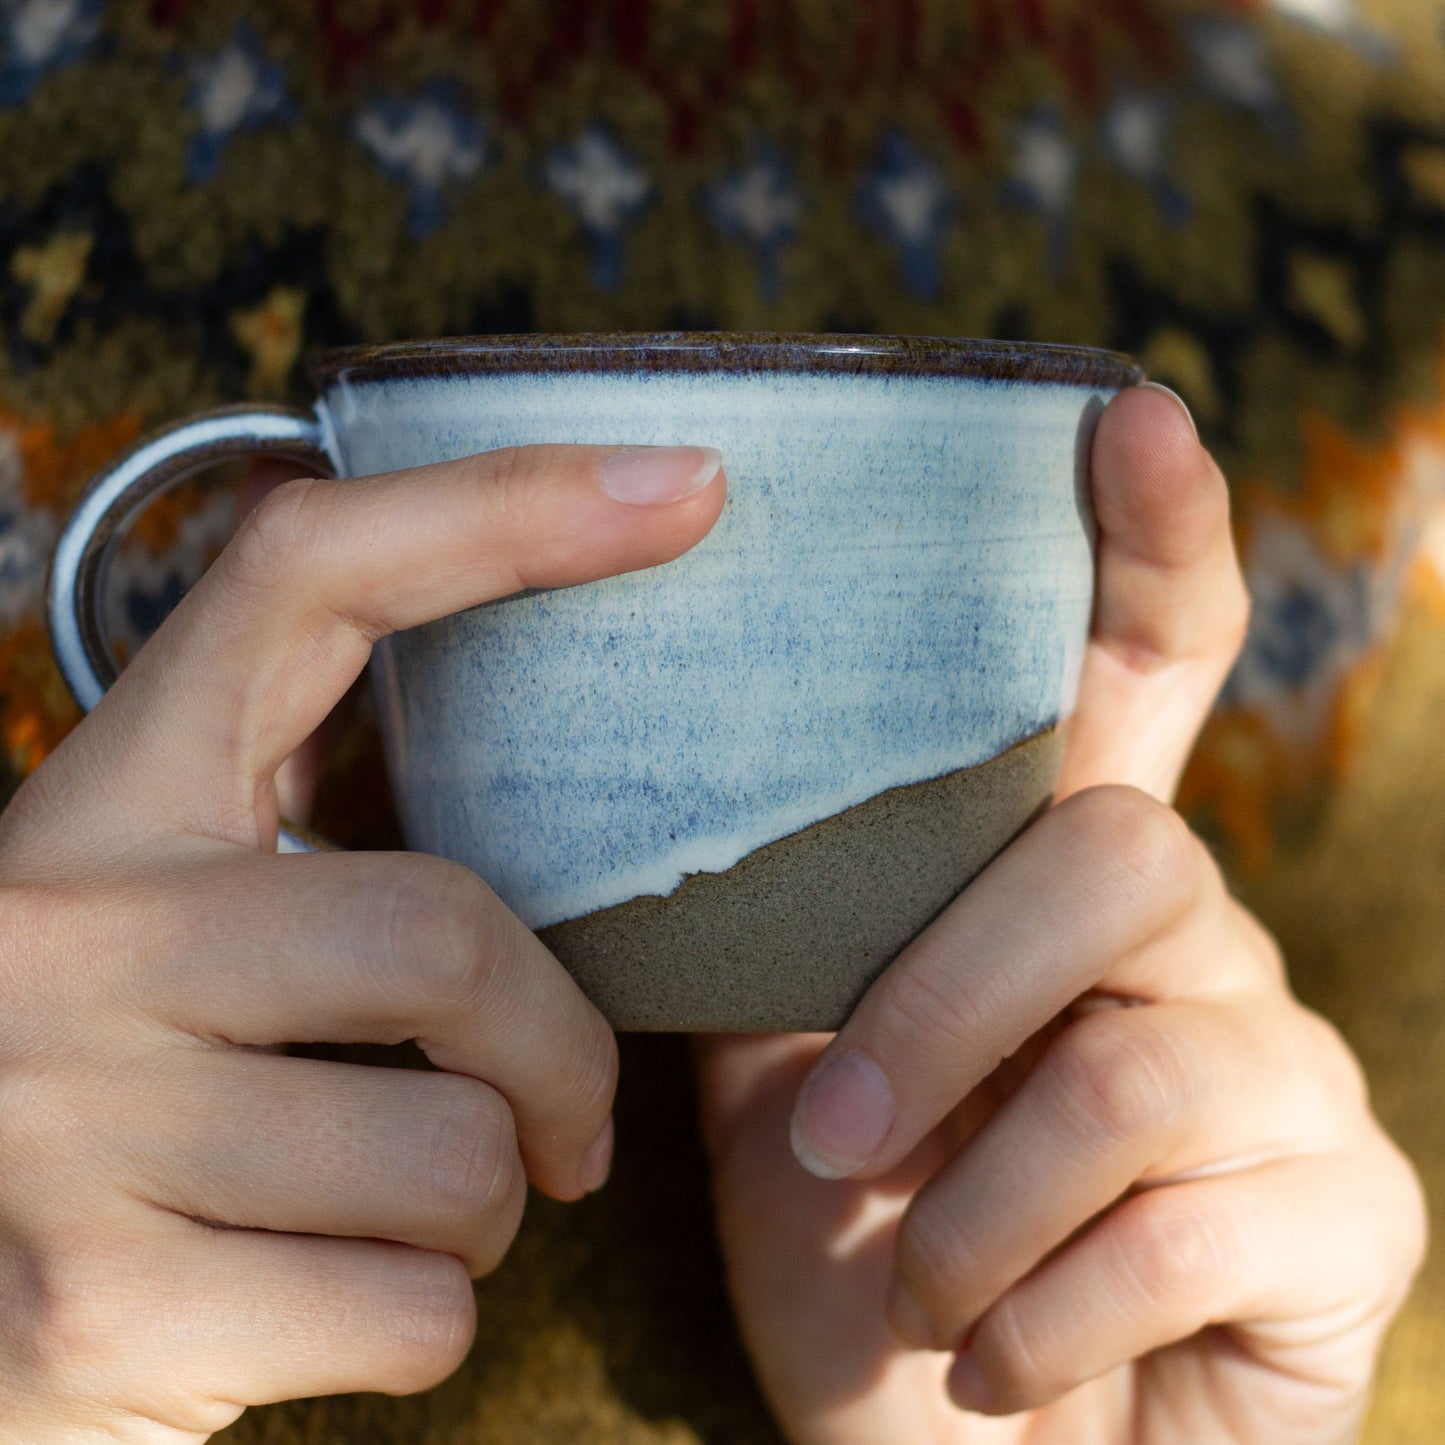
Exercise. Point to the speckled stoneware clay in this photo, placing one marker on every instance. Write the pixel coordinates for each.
(728, 790)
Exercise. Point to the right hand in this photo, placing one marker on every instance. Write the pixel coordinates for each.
(190, 1221)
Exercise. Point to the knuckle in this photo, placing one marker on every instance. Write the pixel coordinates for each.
(1178, 1252)
(429, 1326)
(509, 477)
(1127, 1081)
(434, 927)
(274, 537)
(1405, 1218)
(1154, 858)
(1260, 950)
(472, 1167)
(1333, 1062)
(928, 1011)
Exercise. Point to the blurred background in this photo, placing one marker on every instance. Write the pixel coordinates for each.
(1249, 195)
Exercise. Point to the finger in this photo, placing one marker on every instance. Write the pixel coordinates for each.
(1119, 870)
(263, 646)
(1169, 583)
(1171, 606)
(241, 1317)
(304, 1146)
(259, 949)
(298, 776)
(1301, 1258)
(1121, 1097)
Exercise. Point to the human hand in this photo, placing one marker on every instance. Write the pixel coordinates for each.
(191, 1222)
(1094, 1170)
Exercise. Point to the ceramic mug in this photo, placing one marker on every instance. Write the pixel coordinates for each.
(726, 791)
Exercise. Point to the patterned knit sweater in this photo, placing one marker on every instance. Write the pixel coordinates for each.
(1249, 195)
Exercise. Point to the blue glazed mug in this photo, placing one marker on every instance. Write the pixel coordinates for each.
(726, 791)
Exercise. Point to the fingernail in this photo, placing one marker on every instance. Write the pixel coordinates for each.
(907, 1320)
(597, 1162)
(966, 1385)
(1175, 398)
(650, 476)
(844, 1112)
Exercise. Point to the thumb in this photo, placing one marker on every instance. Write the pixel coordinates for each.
(1171, 607)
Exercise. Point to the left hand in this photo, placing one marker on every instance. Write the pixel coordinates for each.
(1167, 1214)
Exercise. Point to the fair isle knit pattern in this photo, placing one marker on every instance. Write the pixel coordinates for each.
(1249, 195)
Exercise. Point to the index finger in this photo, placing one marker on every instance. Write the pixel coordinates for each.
(266, 643)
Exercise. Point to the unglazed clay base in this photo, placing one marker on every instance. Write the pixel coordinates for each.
(789, 938)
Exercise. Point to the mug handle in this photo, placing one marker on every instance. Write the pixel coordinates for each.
(119, 493)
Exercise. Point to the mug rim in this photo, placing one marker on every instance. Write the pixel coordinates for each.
(816, 353)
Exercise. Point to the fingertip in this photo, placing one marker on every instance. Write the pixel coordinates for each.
(706, 505)
(844, 1114)
(646, 511)
(1157, 492)
(678, 526)
(1159, 389)
(1151, 418)
(658, 476)
(597, 1162)
(967, 1387)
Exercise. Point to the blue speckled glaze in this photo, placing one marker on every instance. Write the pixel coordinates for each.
(899, 587)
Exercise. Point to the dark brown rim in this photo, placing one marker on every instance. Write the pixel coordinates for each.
(730, 351)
